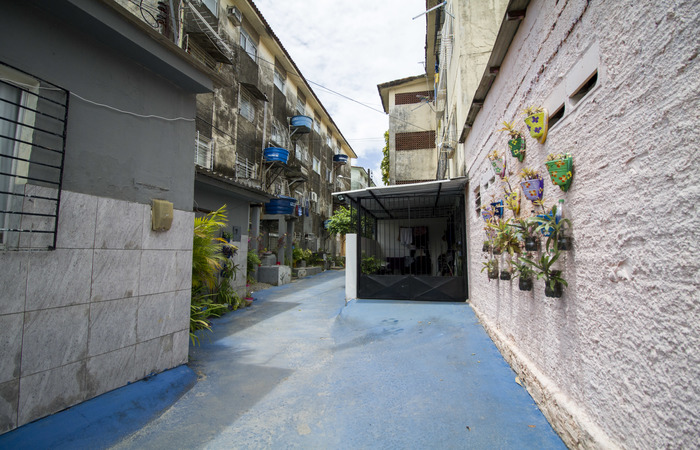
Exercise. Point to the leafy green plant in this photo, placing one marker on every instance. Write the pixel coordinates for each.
(548, 224)
(506, 236)
(510, 128)
(344, 221)
(252, 261)
(207, 255)
(491, 266)
(544, 268)
(370, 265)
(528, 173)
(523, 269)
(202, 308)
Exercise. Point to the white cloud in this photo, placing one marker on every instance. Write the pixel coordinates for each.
(350, 47)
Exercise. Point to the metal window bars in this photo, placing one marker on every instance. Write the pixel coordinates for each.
(33, 119)
(203, 151)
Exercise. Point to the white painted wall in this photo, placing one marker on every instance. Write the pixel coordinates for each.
(616, 360)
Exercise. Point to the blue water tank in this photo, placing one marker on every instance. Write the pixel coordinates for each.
(302, 124)
(340, 158)
(273, 154)
(281, 205)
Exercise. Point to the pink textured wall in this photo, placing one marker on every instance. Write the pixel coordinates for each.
(616, 360)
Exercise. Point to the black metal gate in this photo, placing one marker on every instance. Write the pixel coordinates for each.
(411, 245)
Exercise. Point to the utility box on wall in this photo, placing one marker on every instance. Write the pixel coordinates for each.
(161, 215)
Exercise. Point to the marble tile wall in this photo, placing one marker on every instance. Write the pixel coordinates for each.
(109, 306)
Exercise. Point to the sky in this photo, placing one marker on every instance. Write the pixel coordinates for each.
(350, 47)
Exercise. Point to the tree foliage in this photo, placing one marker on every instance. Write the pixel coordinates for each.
(385, 160)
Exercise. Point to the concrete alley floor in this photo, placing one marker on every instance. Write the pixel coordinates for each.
(300, 369)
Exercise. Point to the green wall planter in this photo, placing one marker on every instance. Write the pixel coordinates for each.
(517, 148)
(561, 172)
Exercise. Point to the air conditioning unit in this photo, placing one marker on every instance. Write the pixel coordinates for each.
(234, 15)
(314, 197)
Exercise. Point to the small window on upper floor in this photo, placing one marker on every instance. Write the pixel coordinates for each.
(301, 104)
(248, 44)
(279, 79)
(246, 105)
(317, 125)
(317, 165)
(584, 89)
(557, 115)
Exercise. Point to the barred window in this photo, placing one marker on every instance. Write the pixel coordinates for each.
(247, 105)
(407, 98)
(248, 44)
(33, 116)
(279, 79)
(415, 140)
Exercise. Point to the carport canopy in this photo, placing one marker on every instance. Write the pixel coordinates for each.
(422, 200)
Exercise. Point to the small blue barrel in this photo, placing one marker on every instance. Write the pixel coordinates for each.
(281, 205)
(302, 124)
(340, 158)
(276, 154)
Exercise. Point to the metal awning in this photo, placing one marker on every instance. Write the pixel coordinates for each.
(428, 199)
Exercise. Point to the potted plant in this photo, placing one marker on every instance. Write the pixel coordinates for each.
(561, 169)
(506, 272)
(554, 282)
(532, 183)
(498, 163)
(491, 268)
(516, 143)
(524, 272)
(537, 121)
(527, 230)
(554, 227)
(506, 236)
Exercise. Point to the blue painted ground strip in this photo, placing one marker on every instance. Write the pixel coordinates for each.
(301, 369)
(104, 420)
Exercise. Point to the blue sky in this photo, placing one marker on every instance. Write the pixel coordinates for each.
(350, 47)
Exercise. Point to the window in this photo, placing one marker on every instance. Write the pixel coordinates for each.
(557, 116)
(248, 44)
(408, 98)
(317, 124)
(301, 104)
(415, 140)
(317, 166)
(203, 151)
(280, 79)
(584, 89)
(278, 136)
(246, 105)
(245, 168)
(329, 176)
(302, 152)
(477, 201)
(33, 117)
(329, 141)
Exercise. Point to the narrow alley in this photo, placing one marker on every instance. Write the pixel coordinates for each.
(301, 370)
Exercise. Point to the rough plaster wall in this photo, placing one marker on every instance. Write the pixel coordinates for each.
(620, 348)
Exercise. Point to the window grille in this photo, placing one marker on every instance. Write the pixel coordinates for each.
(302, 152)
(203, 151)
(245, 168)
(317, 166)
(279, 79)
(278, 136)
(247, 106)
(33, 118)
(317, 125)
(248, 44)
(301, 104)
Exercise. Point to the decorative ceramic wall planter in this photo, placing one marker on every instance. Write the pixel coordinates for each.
(487, 214)
(517, 148)
(533, 189)
(561, 171)
(498, 165)
(497, 208)
(537, 121)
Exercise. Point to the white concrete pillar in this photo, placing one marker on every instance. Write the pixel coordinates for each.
(350, 266)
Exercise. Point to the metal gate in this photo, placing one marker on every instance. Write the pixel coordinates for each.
(412, 243)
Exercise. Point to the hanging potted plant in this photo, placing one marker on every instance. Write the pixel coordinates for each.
(527, 231)
(516, 143)
(498, 163)
(537, 121)
(507, 271)
(561, 169)
(553, 281)
(532, 184)
(524, 273)
(491, 268)
(554, 226)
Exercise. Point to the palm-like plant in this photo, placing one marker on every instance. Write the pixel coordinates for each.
(506, 236)
(207, 256)
(548, 223)
(553, 279)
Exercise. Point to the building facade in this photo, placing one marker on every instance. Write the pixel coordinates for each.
(95, 292)
(615, 356)
(258, 90)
